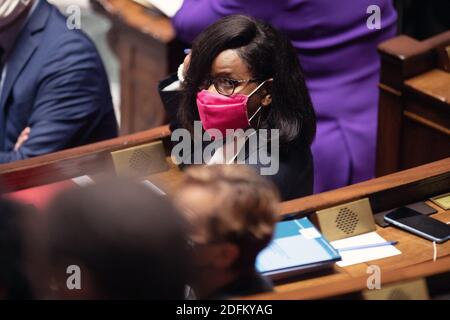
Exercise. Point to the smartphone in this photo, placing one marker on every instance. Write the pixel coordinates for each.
(423, 226)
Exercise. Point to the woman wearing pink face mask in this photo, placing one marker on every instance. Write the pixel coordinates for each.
(244, 74)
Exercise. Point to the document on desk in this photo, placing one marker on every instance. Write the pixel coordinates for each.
(351, 257)
(297, 247)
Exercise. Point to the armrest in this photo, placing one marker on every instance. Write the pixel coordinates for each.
(404, 57)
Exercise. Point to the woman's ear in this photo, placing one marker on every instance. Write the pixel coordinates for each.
(267, 99)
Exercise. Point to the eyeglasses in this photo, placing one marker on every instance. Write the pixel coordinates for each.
(226, 86)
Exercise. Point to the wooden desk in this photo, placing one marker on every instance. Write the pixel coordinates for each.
(386, 192)
(147, 50)
(414, 105)
(346, 286)
(416, 260)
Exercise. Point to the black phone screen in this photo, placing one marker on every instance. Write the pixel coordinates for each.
(420, 222)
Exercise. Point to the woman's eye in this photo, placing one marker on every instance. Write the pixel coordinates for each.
(229, 83)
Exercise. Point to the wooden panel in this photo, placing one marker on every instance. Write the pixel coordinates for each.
(401, 187)
(434, 83)
(339, 287)
(390, 115)
(169, 180)
(147, 50)
(414, 105)
(422, 142)
(409, 290)
(92, 159)
(426, 119)
(409, 56)
(143, 62)
(384, 193)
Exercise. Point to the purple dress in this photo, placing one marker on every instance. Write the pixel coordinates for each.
(338, 54)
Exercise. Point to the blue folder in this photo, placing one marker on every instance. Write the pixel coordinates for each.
(297, 247)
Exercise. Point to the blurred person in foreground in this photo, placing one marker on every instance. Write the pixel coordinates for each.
(231, 212)
(127, 241)
(14, 248)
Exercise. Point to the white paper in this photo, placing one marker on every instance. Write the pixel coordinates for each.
(362, 255)
(83, 181)
(168, 7)
(310, 233)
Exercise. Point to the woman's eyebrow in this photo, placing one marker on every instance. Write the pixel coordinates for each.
(223, 74)
(228, 75)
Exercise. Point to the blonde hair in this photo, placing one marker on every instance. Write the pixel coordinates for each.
(243, 205)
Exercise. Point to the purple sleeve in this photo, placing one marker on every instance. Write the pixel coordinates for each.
(196, 15)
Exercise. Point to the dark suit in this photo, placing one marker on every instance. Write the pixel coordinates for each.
(56, 85)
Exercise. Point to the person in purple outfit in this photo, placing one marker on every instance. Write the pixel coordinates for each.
(337, 50)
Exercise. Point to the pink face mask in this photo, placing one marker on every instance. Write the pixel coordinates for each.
(221, 112)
